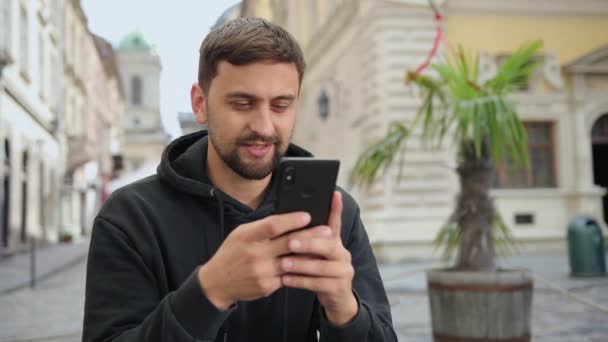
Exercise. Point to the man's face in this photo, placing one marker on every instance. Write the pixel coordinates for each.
(250, 112)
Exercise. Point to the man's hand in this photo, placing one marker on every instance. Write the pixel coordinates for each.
(322, 265)
(247, 264)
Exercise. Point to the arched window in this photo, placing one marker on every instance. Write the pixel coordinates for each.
(136, 90)
(599, 132)
(5, 230)
(24, 197)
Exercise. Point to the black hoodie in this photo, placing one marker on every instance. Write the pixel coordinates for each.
(151, 236)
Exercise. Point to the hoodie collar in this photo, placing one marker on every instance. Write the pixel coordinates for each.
(183, 167)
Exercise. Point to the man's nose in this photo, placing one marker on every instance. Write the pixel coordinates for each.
(262, 122)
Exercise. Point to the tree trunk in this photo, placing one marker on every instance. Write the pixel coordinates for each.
(475, 210)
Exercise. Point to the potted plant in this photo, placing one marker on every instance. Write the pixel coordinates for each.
(473, 300)
(66, 236)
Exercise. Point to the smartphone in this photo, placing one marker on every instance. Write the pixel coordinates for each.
(307, 184)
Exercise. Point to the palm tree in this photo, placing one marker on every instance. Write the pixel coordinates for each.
(486, 129)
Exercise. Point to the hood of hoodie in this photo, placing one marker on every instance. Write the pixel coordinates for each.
(183, 167)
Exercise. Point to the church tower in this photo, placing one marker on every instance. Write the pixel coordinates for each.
(144, 137)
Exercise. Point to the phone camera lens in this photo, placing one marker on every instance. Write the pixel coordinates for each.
(290, 175)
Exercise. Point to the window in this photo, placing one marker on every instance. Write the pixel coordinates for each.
(55, 13)
(75, 117)
(136, 90)
(599, 131)
(41, 68)
(55, 75)
(5, 36)
(541, 173)
(313, 16)
(23, 42)
(41, 195)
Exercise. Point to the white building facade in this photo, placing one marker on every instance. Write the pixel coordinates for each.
(53, 156)
(30, 104)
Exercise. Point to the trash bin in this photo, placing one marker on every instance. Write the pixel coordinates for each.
(586, 248)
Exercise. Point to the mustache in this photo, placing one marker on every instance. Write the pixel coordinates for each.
(257, 138)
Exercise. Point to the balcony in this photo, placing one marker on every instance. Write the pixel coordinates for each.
(80, 151)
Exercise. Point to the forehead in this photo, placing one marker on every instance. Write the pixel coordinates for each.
(264, 78)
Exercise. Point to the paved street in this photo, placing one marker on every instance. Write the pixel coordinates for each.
(54, 308)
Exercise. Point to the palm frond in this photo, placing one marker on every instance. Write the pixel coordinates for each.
(379, 155)
(516, 70)
(504, 241)
(448, 239)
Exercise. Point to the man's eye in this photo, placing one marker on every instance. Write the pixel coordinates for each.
(279, 108)
(241, 105)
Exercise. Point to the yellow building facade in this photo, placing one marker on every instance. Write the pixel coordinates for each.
(358, 52)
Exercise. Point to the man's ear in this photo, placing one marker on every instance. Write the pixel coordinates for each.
(199, 103)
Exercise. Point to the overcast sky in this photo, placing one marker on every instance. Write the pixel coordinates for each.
(176, 28)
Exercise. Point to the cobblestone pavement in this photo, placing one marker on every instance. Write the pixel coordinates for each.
(54, 308)
(50, 259)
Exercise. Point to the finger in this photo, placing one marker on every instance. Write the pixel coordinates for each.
(299, 265)
(335, 215)
(277, 267)
(280, 245)
(314, 232)
(322, 247)
(314, 284)
(276, 225)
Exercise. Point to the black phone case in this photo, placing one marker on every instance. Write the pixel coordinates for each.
(310, 189)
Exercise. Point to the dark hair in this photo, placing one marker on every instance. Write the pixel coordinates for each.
(247, 40)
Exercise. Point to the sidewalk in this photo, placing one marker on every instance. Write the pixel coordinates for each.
(50, 259)
(550, 269)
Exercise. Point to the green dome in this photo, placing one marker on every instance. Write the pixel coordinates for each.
(134, 41)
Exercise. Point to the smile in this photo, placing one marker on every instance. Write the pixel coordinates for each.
(258, 150)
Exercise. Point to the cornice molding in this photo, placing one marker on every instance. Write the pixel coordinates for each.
(528, 7)
(591, 62)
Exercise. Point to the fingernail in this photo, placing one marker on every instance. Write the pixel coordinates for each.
(287, 264)
(326, 231)
(295, 244)
(287, 280)
(305, 218)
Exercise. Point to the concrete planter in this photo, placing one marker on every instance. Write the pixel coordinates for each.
(480, 306)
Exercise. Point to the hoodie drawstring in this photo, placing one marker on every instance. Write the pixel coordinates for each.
(285, 314)
(220, 201)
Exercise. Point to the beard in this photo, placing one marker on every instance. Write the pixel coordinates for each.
(259, 168)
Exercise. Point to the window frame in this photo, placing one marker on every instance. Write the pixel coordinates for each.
(530, 182)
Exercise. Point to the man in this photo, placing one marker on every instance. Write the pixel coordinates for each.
(195, 253)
